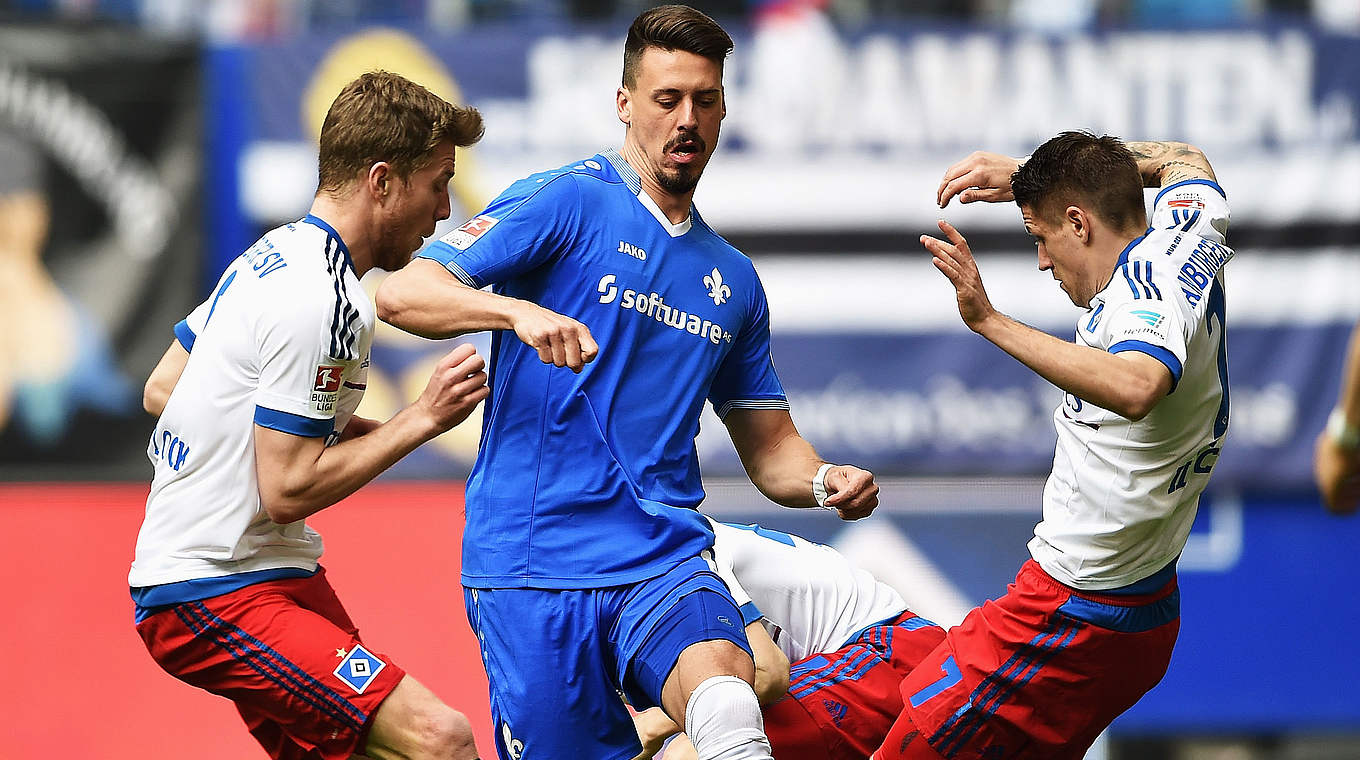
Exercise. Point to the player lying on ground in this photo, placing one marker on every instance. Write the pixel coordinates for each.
(850, 637)
(264, 376)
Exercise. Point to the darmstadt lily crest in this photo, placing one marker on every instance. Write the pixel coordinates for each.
(717, 289)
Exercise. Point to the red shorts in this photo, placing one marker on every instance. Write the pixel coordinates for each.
(1038, 673)
(287, 654)
(841, 704)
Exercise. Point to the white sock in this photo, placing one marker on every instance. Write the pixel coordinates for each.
(723, 721)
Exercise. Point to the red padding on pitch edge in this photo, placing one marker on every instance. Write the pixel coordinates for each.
(84, 686)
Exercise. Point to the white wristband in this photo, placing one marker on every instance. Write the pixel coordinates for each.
(819, 484)
(1339, 429)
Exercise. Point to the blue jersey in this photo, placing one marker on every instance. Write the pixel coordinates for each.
(591, 479)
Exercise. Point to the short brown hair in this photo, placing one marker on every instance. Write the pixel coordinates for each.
(673, 27)
(1079, 167)
(382, 116)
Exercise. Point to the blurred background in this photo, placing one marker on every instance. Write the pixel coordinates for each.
(145, 143)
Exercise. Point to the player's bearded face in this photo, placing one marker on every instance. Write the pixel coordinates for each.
(418, 203)
(674, 113)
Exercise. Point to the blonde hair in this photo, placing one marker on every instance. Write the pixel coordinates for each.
(383, 116)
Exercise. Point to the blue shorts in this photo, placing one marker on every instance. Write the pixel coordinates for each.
(559, 662)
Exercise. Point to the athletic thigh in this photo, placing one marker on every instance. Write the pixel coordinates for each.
(552, 673)
(1037, 673)
(287, 654)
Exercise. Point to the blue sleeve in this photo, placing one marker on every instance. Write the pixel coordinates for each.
(185, 335)
(530, 224)
(746, 378)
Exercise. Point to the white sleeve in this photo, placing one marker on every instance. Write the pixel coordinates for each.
(299, 377)
(188, 329)
(1194, 205)
(727, 541)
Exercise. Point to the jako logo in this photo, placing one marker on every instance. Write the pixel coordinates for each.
(632, 250)
(717, 290)
(654, 305)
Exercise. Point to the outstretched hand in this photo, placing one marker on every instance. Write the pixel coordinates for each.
(955, 260)
(851, 491)
(979, 177)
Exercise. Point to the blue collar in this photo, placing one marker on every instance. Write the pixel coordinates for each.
(339, 241)
(1124, 254)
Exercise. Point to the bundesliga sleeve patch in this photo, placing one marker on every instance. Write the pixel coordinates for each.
(472, 229)
(326, 388)
(359, 668)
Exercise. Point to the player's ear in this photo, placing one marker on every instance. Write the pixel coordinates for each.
(1076, 218)
(623, 103)
(379, 180)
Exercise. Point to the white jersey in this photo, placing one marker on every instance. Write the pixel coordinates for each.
(1121, 498)
(282, 343)
(813, 599)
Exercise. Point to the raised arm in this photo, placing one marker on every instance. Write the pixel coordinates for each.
(424, 298)
(1129, 384)
(299, 476)
(1166, 163)
(783, 465)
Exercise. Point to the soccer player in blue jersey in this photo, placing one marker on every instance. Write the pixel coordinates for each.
(583, 561)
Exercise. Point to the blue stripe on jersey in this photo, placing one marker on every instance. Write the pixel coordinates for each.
(1157, 352)
(1145, 279)
(149, 600)
(225, 284)
(1125, 619)
(343, 338)
(1194, 181)
(1190, 222)
(185, 334)
(296, 424)
(1127, 278)
(269, 663)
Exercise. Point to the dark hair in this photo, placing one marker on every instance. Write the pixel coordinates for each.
(382, 116)
(673, 27)
(1079, 168)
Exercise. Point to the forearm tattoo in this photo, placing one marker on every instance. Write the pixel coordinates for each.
(1164, 163)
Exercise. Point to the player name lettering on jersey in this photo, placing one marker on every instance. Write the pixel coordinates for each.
(1200, 269)
(264, 258)
(654, 305)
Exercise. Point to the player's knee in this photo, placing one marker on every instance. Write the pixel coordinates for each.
(723, 721)
(442, 733)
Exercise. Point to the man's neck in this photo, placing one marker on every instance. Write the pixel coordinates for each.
(675, 207)
(347, 219)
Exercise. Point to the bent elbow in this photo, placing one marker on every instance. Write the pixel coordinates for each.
(154, 398)
(283, 508)
(389, 304)
(1140, 403)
